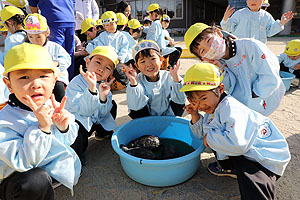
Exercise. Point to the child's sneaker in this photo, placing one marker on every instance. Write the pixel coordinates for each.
(55, 183)
(101, 136)
(217, 170)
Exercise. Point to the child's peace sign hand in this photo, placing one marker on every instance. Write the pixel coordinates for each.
(286, 17)
(174, 72)
(104, 89)
(60, 116)
(229, 11)
(90, 77)
(42, 113)
(131, 74)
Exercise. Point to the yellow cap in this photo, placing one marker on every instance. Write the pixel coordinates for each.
(86, 24)
(193, 32)
(144, 44)
(153, 7)
(27, 56)
(293, 48)
(122, 19)
(165, 18)
(99, 22)
(17, 3)
(3, 28)
(134, 24)
(106, 51)
(202, 77)
(265, 3)
(108, 16)
(10, 11)
(35, 24)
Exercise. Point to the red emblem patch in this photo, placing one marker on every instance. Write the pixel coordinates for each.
(263, 56)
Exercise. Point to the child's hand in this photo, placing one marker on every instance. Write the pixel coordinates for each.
(90, 77)
(60, 116)
(174, 72)
(286, 17)
(131, 74)
(42, 113)
(104, 89)
(229, 11)
(56, 64)
(297, 67)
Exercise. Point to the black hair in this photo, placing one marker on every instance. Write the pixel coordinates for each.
(189, 94)
(17, 19)
(145, 53)
(158, 12)
(122, 6)
(120, 27)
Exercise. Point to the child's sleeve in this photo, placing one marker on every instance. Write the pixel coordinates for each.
(231, 23)
(105, 107)
(154, 32)
(177, 96)
(197, 128)
(266, 67)
(123, 48)
(273, 27)
(136, 98)
(93, 44)
(63, 58)
(281, 58)
(236, 133)
(23, 152)
(229, 80)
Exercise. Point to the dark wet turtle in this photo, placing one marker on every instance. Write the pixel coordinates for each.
(146, 141)
(139, 152)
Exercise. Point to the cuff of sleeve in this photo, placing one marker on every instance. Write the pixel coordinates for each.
(67, 129)
(48, 133)
(93, 93)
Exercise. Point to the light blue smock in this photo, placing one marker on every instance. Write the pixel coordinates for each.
(24, 146)
(283, 58)
(155, 33)
(116, 40)
(245, 23)
(235, 130)
(59, 54)
(87, 107)
(256, 69)
(156, 95)
(132, 43)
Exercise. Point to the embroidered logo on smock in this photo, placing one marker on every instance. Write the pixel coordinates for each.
(263, 56)
(264, 131)
(240, 62)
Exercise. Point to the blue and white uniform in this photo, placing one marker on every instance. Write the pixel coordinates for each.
(116, 40)
(87, 107)
(256, 70)
(24, 146)
(59, 54)
(245, 23)
(155, 33)
(234, 130)
(283, 58)
(156, 95)
(132, 43)
(12, 40)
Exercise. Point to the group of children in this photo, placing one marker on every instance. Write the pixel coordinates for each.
(44, 140)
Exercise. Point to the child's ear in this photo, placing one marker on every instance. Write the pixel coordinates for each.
(222, 88)
(219, 33)
(8, 84)
(87, 61)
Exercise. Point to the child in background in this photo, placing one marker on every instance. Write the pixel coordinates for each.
(265, 5)
(253, 22)
(35, 133)
(290, 59)
(38, 32)
(147, 24)
(135, 29)
(90, 99)
(12, 17)
(155, 33)
(153, 92)
(99, 26)
(253, 70)
(79, 55)
(89, 28)
(21, 4)
(246, 144)
(114, 38)
(3, 31)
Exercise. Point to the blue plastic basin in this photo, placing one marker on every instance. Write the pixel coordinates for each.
(287, 79)
(158, 173)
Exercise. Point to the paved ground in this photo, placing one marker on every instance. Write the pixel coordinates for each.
(103, 177)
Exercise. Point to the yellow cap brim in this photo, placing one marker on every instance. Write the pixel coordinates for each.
(28, 66)
(187, 88)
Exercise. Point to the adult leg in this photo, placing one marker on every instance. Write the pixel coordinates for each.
(35, 184)
(70, 46)
(177, 108)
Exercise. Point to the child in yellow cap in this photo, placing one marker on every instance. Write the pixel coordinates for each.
(36, 132)
(252, 70)
(290, 59)
(114, 38)
(265, 5)
(38, 33)
(247, 145)
(165, 22)
(153, 92)
(89, 28)
(156, 34)
(12, 18)
(90, 99)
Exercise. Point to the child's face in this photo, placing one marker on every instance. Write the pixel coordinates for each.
(254, 5)
(91, 34)
(36, 83)
(111, 27)
(208, 100)
(136, 34)
(150, 66)
(102, 66)
(294, 57)
(38, 39)
(165, 24)
(205, 44)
